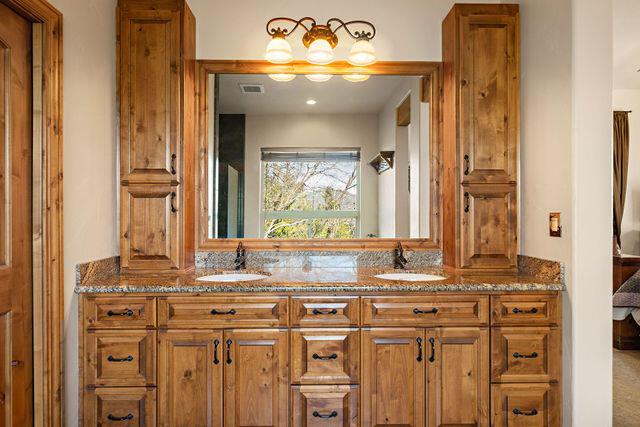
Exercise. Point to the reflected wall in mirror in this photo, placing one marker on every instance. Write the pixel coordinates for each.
(301, 159)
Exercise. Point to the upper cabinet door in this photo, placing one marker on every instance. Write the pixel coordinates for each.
(149, 227)
(149, 72)
(393, 377)
(256, 391)
(458, 377)
(489, 98)
(489, 226)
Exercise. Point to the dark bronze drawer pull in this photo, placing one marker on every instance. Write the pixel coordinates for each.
(215, 312)
(432, 358)
(466, 164)
(126, 312)
(466, 202)
(434, 310)
(317, 414)
(129, 358)
(419, 341)
(317, 311)
(216, 343)
(530, 413)
(173, 198)
(229, 352)
(316, 356)
(518, 311)
(115, 418)
(525, 356)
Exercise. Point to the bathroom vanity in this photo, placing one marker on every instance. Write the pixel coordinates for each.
(325, 347)
(231, 168)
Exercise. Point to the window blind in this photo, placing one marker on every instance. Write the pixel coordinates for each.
(270, 155)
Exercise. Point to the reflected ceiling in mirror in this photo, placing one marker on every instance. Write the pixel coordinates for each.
(291, 160)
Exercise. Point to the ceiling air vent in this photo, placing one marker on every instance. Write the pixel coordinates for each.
(251, 88)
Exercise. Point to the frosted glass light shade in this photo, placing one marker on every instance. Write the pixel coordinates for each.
(356, 78)
(319, 78)
(279, 51)
(282, 77)
(362, 53)
(320, 52)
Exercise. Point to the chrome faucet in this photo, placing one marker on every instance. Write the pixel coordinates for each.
(240, 262)
(399, 261)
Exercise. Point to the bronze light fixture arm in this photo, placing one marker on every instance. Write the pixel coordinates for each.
(273, 31)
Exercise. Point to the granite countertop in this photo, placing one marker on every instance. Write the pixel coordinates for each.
(343, 279)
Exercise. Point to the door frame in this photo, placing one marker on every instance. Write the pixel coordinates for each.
(48, 284)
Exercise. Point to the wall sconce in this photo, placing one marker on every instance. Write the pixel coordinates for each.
(320, 40)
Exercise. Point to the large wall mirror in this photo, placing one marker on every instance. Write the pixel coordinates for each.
(318, 159)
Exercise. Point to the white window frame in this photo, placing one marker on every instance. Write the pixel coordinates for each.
(316, 214)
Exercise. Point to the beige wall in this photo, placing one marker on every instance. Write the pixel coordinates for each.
(90, 168)
(311, 131)
(630, 100)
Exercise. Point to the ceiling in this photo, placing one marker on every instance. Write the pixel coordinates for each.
(336, 96)
(626, 44)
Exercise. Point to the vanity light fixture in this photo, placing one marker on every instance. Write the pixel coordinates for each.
(319, 78)
(282, 77)
(311, 102)
(356, 78)
(320, 40)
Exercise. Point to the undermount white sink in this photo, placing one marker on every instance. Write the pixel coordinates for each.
(410, 277)
(232, 277)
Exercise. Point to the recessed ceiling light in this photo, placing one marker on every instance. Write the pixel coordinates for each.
(311, 102)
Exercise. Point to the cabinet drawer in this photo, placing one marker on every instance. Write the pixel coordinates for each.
(208, 312)
(120, 312)
(325, 311)
(325, 356)
(525, 354)
(526, 310)
(425, 311)
(525, 405)
(120, 358)
(119, 407)
(325, 406)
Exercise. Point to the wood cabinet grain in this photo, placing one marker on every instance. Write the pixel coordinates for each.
(525, 405)
(322, 406)
(118, 406)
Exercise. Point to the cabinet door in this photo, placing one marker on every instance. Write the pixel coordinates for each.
(256, 377)
(489, 98)
(489, 226)
(149, 72)
(120, 406)
(149, 227)
(190, 378)
(393, 377)
(458, 376)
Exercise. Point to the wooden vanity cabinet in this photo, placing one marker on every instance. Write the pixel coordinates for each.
(156, 90)
(480, 116)
(422, 360)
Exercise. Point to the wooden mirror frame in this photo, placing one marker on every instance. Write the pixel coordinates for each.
(431, 91)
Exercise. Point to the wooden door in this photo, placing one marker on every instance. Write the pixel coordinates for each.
(458, 376)
(489, 226)
(149, 227)
(149, 73)
(190, 378)
(256, 391)
(16, 317)
(489, 98)
(393, 377)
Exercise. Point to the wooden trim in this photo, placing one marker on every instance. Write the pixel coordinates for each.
(399, 68)
(390, 68)
(48, 291)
